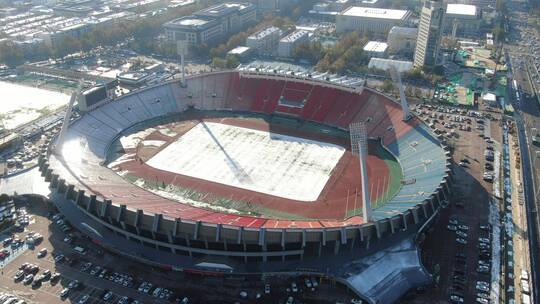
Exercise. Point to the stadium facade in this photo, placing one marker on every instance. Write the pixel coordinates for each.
(252, 244)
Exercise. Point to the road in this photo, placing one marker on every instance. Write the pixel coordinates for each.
(527, 119)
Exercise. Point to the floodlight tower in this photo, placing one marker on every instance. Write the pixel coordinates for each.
(396, 77)
(74, 96)
(359, 147)
(181, 49)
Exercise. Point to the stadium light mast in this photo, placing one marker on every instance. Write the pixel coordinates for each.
(74, 96)
(181, 49)
(357, 131)
(396, 77)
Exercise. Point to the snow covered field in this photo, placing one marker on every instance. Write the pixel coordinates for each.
(22, 104)
(275, 164)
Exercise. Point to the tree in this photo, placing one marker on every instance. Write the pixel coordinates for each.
(387, 86)
(311, 51)
(347, 55)
(219, 62)
(11, 54)
(4, 198)
(231, 61)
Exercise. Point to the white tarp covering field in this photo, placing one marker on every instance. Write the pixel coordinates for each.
(275, 164)
(22, 104)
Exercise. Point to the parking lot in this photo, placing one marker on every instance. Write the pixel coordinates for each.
(463, 261)
(103, 277)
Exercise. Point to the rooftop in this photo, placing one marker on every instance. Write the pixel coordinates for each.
(294, 36)
(223, 9)
(375, 46)
(461, 9)
(190, 22)
(370, 12)
(239, 50)
(264, 32)
(409, 31)
(385, 64)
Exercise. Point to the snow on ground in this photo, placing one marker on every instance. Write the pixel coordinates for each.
(168, 132)
(132, 140)
(153, 143)
(168, 193)
(22, 104)
(275, 164)
(122, 159)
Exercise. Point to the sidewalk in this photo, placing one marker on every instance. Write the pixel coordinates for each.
(520, 236)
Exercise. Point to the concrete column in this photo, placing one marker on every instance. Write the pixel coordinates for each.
(61, 186)
(44, 168)
(54, 180)
(69, 191)
(80, 197)
(245, 256)
(48, 175)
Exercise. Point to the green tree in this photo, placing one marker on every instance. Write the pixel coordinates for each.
(387, 86)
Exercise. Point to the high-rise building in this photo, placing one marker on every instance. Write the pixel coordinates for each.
(429, 33)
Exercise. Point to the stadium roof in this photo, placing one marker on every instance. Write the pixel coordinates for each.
(385, 64)
(461, 9)
(379, 13)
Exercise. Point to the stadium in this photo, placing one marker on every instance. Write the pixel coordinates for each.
(253, 172)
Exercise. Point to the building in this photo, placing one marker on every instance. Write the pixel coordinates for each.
(31, 28)
(241, 52)
(328, 10)
(274, 5)
(485, 4)
(173, 234)
(386, 64)
(264, 41)
(429, 34)
(376, 49)
(210, 25)
(402, 40)
(368, 19)
(462, 19)
(286, 44)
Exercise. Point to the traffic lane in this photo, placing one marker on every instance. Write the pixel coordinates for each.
(533, 220)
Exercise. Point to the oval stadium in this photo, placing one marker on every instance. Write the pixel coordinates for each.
(251, 172)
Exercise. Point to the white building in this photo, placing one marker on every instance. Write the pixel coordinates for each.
(464, 19)
(288, 43)
(376, 49)
(265, 40)
(210, 25)
(402, 40)
(368, 19)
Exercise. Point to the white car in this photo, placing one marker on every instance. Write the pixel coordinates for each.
(84, 299)
(65, 292)
(42, 252)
